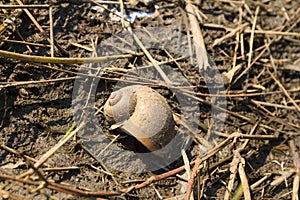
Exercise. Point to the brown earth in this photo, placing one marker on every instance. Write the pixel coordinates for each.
(263, 101)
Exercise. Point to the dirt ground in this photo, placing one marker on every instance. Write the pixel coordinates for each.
(255, 47)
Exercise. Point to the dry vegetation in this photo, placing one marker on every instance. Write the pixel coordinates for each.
(255, 45)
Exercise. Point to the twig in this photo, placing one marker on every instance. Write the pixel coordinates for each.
(211, 153)
(252, 121)
(110, 2)
(9, 20)
(261, 32)
(238, 192)
(284, 91)
(271, 41)
(243, 178)
(37, 171)
(198, 161)
(56, 60)
(233, 32)
(237, 161)
(51, 32)
(62, 188)
(23, 42)
(22, 38)
(260, 181)
(251, 45)
(24, 6)
(189, 191)
(296, 160)
(122, 13)
(142, 80)
(254, 61)
(149, 56)
(50, 169)
(108, 10)
(239, 94)
(273, 105)
(229, 75)
(172, 59)
(70, 133)
(251, 137)
(64, 52)
(285, 122)
(7, 195)
(49, 153)
(19, 83)
(233, 170)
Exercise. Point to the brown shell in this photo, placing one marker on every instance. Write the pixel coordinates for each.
(143, 113)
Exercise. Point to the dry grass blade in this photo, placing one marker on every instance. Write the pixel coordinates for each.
(24, 6)
(194, 25)
(7, 195)
(198, 161)
(296, 159)
(284, 91)
(62, 188)
(51, 32)
(66, 138)
(56, 60)
(149, 56)
(46, 156)
(189, 191)
(296, 187)
(244, 179)
(122, 13)
(41, 29)
(251, 46)
(10, 21)
(282, 178)
(230, 34)
(20, 83)
(273, 105)
(264, 32)
(25, 43)
(229, 75)
(199, 45)
(233, 170)
(259, 182)
(186, 163)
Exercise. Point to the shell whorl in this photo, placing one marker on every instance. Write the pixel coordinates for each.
(143, 113)
(120, 105)
(114, 98)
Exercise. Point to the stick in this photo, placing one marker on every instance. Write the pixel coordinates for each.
(56, 60)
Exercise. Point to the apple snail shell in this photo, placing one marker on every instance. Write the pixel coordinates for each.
(143, 113)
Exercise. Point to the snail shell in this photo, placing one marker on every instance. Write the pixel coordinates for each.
(143, 113)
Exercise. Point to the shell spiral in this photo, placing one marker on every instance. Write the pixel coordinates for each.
(143, 113)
